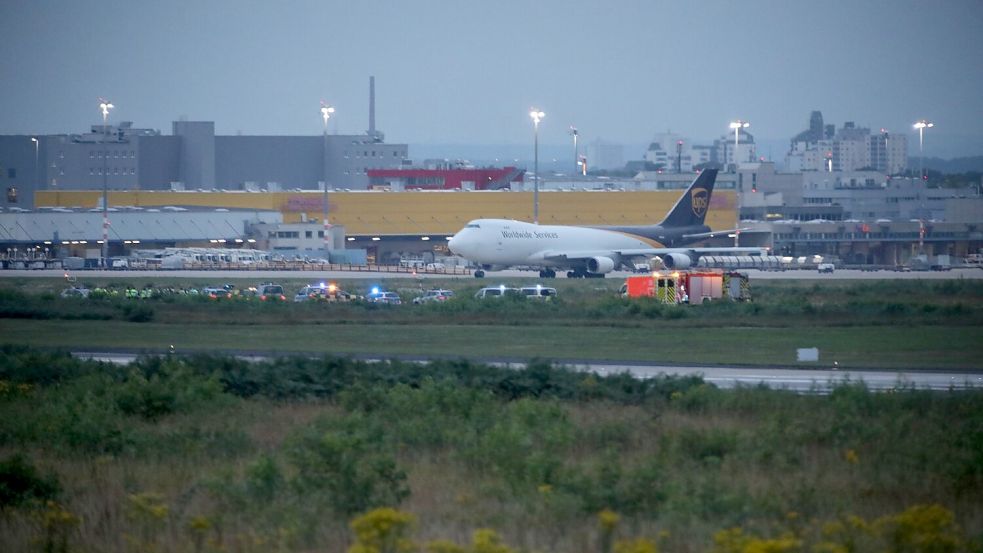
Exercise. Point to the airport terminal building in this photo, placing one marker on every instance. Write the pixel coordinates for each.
(269, 192)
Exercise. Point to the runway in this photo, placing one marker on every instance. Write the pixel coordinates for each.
(816, 381)
(220, 275)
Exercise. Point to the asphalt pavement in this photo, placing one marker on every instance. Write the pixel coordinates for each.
(817, 381)
(754, 274)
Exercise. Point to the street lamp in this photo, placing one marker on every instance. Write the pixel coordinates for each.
(37, 145)
(576, 153)
(326, 112)
(537, 116)
(105, 106)
(921, 125)
(737, 126)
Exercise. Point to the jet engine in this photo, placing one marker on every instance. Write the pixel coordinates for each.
(600, 265)
(676, 260)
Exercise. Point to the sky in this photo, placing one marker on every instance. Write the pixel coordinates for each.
(463, 72)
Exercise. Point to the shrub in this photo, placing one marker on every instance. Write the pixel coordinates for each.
(349, 464)
(171, 390)
(383, 530)
(137, 312)
(21, 484)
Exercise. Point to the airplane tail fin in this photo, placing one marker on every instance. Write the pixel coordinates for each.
(691, 208)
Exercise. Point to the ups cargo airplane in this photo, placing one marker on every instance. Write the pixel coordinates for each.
(497, 244)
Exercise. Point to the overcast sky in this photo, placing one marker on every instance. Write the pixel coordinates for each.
(468, 72)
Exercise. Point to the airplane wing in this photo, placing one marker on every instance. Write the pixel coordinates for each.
(557, 255)
(716, 233)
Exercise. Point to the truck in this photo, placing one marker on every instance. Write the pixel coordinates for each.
(698, 286)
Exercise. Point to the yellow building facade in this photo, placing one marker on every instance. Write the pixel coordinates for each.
(380, 213)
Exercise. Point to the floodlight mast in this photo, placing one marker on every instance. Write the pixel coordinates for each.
(326, 112)
(537, 116)
(105, 106)
(921, 125)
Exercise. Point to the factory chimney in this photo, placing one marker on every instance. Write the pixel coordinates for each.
(375, 135)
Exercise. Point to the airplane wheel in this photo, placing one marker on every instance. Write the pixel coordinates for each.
(551, 274)
(479, 274)
(542, 274)
(571, 274)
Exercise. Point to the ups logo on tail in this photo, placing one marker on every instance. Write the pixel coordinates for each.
(700, 200)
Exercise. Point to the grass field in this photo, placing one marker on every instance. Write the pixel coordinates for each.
(937, 347)
(214, 454)
(887, 324)
(208, 453)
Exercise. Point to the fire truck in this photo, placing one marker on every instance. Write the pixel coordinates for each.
(697, 286)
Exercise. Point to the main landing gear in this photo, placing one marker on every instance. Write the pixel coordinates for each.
(580, 273)
(479, 274)
(547, 273)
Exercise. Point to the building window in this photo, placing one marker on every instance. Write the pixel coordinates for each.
(12, 194)
(307, 234)
(320, 234)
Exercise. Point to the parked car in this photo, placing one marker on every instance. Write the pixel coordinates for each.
(324, 292)
(436, 295)
(496, 292)
(76, 292)
(538, 292)
(223, 292)
(379, 296)
(826, 267)
(309, 293)
(270, 292)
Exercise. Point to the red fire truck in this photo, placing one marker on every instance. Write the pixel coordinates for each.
(688, 286)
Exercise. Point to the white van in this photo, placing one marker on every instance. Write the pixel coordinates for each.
(496, 292)
(538, 292)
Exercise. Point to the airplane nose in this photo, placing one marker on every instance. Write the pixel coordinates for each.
(450, 244)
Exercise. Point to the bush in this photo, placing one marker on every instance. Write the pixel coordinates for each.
(21, 484)
(173, 389)
(137, 312)
(348, 465)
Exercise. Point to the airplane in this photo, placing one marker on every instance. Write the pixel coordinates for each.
(497, 244)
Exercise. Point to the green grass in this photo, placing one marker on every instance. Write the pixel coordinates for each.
(931, 347)
(889, 324)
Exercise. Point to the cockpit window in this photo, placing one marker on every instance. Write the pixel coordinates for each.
(472, 225)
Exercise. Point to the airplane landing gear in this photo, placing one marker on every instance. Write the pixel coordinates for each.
(479, 274)
(580, 273)
(547, 273)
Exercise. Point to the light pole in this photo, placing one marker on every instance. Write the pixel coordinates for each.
(576, 152)
(37, 145)
(921, 125)
(537, 116)
(326, 112)
(737, 126)
(105, 106)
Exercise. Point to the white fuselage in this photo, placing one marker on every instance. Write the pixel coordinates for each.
(505, 242)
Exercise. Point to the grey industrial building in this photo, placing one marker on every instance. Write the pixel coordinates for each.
(192, 157)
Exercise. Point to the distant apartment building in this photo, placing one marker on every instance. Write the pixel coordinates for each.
(851, 148)
(676, 154)
(730, 154)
